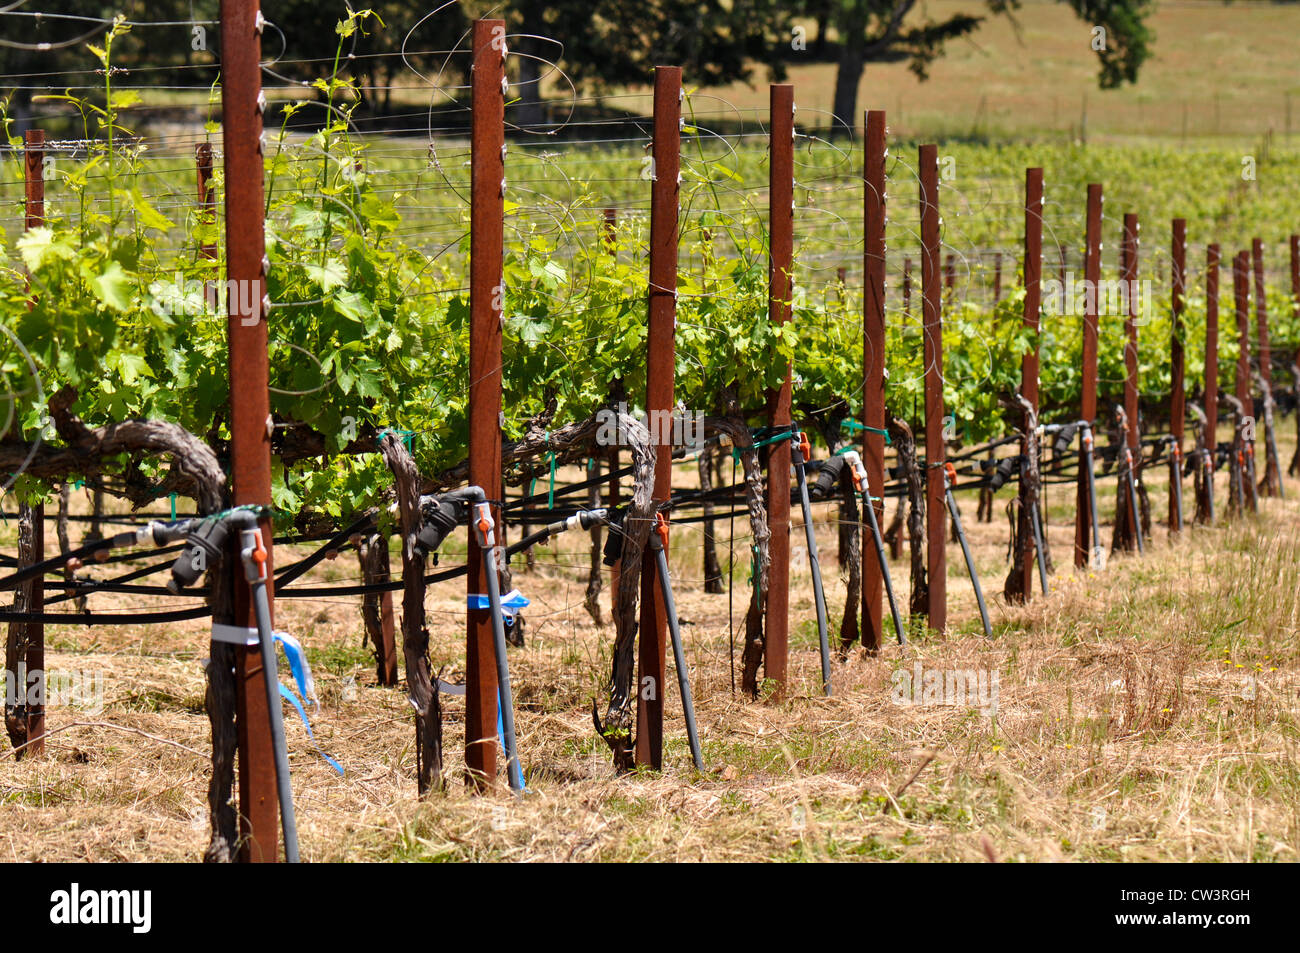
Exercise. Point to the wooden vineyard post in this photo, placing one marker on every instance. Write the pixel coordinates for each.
(34, 657)
(779, 283)
(873, 363)
(1177, 397)
(1088, 394)
(487, 238)
(1272, 482)
(1025, 547)
(660, 360)
(1128, 519)
(936, 517)
(1206, 512)
(250, 401)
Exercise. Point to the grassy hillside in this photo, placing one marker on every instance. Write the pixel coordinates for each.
(1217, 70)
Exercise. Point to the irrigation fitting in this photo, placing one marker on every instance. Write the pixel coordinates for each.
(853, 460)
(949, 481)
(800, 453)
(441, 514)
(1064, 434)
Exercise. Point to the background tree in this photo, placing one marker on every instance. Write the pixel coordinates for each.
(882, 31)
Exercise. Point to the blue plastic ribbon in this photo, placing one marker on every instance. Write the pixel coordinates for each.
(286, 692)
(301, 672)
(298, 665)
(511, 603)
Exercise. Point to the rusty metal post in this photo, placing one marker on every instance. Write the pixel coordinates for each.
(1211, 371)
(1295, 292)
(486, 251)
(780, 289)
(250, 400)
(660, 360)
(1295, 276)
(874, 218)
(1083, 515)
(1029, 360)
(1177, 360)
(1264, 353)
(1295, 289)
(34, 176)
(1241, 301)
(936, 510)
(1132, 435)
(997, 276)
(1241, 295)
(1272, 471)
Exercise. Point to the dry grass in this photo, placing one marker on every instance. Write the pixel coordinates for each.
(1144, 713)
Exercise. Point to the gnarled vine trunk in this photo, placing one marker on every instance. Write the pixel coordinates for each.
(1017, 586)
(20, 634)
(905, 446)
(421, 688)
(377, 607)
(616, 727)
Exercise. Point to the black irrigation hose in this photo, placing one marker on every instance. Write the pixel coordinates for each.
(563, 490)
(56, 562)
(364, 589)
(106, 618)
(126, 519)
(334, 542)
(88, 586)
(984, 448)
(677, 455)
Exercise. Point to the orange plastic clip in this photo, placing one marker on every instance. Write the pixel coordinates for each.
(484, 524)
(259, 553)
(857, 480)
(661, 527)
(951, 472)
(805, 447)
